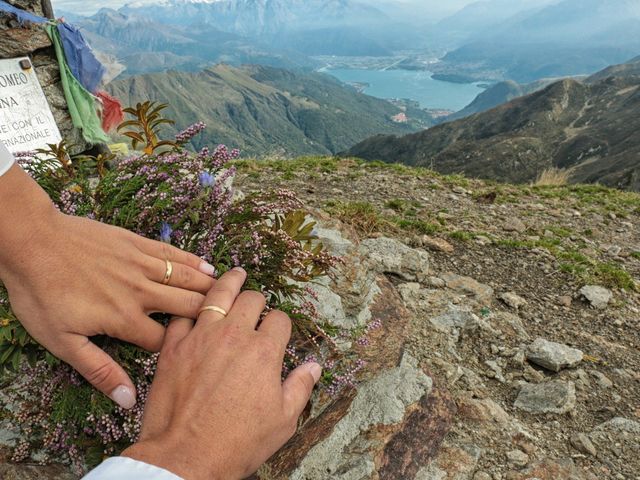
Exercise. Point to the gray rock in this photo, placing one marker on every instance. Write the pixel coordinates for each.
(553, 356)
(496, 370)
(436, 282)
(334, 241)
(481, 476)
(598, 297)
(437, 244)
(329, 305)
(619, 425)
(514, 224)
(431, 472)
(518, 458)
(583, 444)
(550, 397)
(602, 379)
(456, 319)
(381, 401)
(513, 300)
(483, 294)
(510, 325)
(619, 440)
(390, 256)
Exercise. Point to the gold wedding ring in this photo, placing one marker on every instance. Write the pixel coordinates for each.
(168, 273)
(213, 308)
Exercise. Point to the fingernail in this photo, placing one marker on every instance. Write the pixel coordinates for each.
(315, 370)
(239, 269)
(207, 269)
(124, 396)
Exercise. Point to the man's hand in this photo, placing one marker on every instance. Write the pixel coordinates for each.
(71, 278)
(218, 408)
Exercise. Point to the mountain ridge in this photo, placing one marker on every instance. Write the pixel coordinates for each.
(561, 39)
(268, 111)
(587, 128)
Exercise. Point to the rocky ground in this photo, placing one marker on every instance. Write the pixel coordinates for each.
(509, 346)
(523, 305)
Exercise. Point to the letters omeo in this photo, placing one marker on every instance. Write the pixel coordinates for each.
(26, 121)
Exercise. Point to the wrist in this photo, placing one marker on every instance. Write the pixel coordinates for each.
(27, 216)
(174, 458)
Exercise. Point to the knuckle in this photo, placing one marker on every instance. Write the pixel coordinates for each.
(185, 276)
(305, 384)
(253, 297)
(165, 249)
(99, 376)
(223, 290)
(192, 303)
(137, 287)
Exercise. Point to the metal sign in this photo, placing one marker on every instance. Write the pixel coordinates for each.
(26, 121)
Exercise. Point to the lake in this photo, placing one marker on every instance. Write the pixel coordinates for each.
(416, 85)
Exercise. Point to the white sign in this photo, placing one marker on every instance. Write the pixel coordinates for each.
(26, 121)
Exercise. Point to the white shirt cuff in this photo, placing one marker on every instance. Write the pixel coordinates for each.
(6, 159)
(124, 468)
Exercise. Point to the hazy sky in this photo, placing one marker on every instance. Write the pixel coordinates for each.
(437, 8)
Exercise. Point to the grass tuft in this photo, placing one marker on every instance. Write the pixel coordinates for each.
(553, 177)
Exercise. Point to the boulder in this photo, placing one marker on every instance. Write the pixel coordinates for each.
(455, 319)
(437, 244)
(583, 444)
(550, 397)
(479, 292)
(380, 402)
(391, 427)
(553, 356)
(598, 297)
(553, 469)
(389, 256)
(513, 300)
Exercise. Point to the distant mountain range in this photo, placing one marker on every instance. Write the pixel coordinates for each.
(567, 37)
(190, 35)
(269, 111)
(144, 45)
(589, 128)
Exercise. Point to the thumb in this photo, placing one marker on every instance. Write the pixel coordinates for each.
(298, 387)
(101, 371)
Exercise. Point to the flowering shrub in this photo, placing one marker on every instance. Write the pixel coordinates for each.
(187, 199)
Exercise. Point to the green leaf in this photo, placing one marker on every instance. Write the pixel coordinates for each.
(7, 353)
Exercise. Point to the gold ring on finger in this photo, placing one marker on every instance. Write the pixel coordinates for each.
(168, 273)
(213, 308)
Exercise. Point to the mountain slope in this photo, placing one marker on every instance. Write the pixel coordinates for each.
(630, 68)
(589, 129)
(264, 110)
(501, 92)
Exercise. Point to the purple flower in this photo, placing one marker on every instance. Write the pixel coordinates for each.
(207, 179)
(165, 232)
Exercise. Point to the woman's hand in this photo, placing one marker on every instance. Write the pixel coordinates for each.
(71, 278)
(218, 408)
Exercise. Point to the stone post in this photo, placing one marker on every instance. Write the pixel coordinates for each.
(31, 40)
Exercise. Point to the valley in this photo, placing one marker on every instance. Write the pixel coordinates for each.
(587, 128)
(267, 111)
